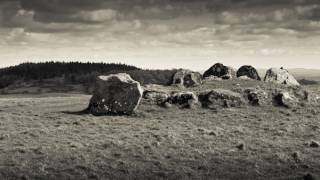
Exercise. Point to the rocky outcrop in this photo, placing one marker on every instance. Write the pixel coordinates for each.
(220, 70)
(280, 76)
(248, 71)
(184, 99)
(187, 78)
(218, 98)
(116, 94)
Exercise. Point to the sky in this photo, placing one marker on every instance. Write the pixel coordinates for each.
(162, 34)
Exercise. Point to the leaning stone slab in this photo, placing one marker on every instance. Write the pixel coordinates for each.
(280, 76)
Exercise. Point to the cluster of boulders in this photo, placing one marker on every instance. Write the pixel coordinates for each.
(119, 94)
(165, 98)
(212, 99)
(222, 98)
(219, 71)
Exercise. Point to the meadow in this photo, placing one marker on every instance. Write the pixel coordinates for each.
(42, 137)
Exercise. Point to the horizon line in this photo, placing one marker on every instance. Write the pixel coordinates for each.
(139, 67)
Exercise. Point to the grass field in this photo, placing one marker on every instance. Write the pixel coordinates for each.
(39, 140)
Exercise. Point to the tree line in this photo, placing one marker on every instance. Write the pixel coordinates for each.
(79, 73)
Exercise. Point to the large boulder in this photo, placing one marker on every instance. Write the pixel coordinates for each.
(285, 99)
(248, 71)
(116, 94)
(280, 76)
(187, 78)
(218, 98)
(184, 99)
(220, 70)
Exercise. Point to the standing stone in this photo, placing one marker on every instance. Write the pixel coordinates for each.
(248, 71)
(220, 70)
(187, 78)
(116, 94)
(280, 76)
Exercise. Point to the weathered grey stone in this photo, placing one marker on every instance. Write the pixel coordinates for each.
(285, 99)
(212, 78)
(305, 95)
(187, 78)
(314, 144)
(157, 97)
(248, 71)
(116, 94)
(167, 105)
(220, 70)
(244, 78)
(280, 76)
(218, 98)
(256, 96)
(184, 99)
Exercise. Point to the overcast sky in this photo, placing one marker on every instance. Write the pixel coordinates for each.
(192, 34)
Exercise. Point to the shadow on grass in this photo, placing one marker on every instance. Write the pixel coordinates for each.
(82, 112)
(88, 112)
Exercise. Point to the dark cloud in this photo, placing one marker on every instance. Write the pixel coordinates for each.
(161, 16)
(48, 11)
(204, 26)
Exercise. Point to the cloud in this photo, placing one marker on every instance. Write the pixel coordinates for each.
(21, 18)
(260, 27)
(158, 28)
(97, 15)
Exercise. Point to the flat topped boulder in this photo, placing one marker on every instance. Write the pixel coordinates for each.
(184, 99)
(248, 71)
(116, 94)
(155, 96)
(220, 70)
(218, 98)
(280, 76)
(187, 78)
